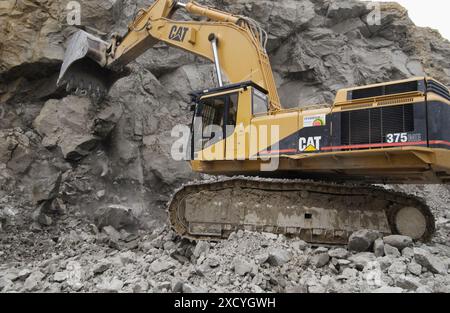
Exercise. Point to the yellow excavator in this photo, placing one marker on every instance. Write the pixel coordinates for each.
(299, 172)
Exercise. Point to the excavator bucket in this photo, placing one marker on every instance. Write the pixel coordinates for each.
(84, 69)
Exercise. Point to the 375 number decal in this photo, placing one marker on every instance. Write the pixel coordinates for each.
(397, 137)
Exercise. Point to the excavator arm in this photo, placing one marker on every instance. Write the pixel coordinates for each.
(235, 44)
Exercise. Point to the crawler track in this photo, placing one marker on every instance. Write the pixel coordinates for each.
(316, 212)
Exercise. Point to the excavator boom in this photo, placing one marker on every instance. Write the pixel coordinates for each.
(238, 42)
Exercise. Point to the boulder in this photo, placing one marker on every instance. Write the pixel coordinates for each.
(67, 123)
(242, 267)
(391, 251)
(16, 151)
(362, 240)
(161, 266)
(278, 257)
(338, 253)
(118, 217)
(408, 253)
(110, 286)
(47, 187)
(320, 260)
(397, 268)
(398, 241)
(59, 277)
(414, 268)
(33, 282)
(299, 245)
(408, 283)
(202, 248)
(362, 259)
(378, 247)
(429, 261)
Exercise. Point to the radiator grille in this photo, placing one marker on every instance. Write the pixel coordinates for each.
(441, 90)
(372, 125)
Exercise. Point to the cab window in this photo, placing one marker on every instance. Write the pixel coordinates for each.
(260, 102)
(214, 120)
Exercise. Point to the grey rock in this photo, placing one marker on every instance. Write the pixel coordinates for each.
(378, 247)
(316, 289)
(320, 260)
(117, 216)
(362, 240)
(33, 282)
(188, 288)
(177, 285)
(161, 266)
(339, 253)
(165, 285)
(66, 123)
(398, 241)
(299, 245)
(385, 262)
(388, 289)
(16, 151)
(22, 274)
(349, 273)
(202, 248)
(362, 259)
(297, 289)
(141, 287)
(429, 261)
(408, 283)
(415, 268)
(397, 268)
(320, 250)
(47, 188)
(102, 266)
(262, 258)
(60, 276)
(278, 257)
(110, 286)
(127, 257)
(424, 289)
(5, 284)
(391, 251)
(213, 262)
(408, 253)
(242, 267)
(112, 233)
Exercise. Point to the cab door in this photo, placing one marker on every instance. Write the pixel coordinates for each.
(214, 120)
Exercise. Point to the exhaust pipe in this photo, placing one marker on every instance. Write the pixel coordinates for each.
(84, 70)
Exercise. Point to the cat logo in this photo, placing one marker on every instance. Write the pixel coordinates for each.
(310, 144)
(178, 33)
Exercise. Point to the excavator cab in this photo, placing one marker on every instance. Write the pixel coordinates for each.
(221, 115)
